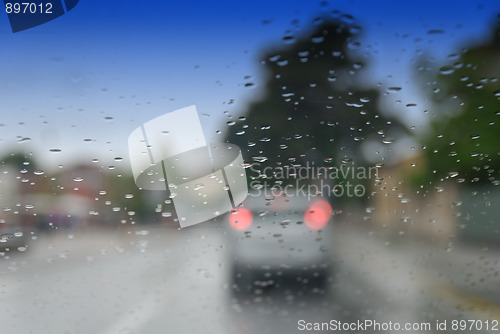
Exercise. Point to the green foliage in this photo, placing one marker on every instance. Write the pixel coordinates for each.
(464, 138)
(19, 161)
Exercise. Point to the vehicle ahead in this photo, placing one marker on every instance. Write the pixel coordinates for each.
(280, 240)
(13, 236)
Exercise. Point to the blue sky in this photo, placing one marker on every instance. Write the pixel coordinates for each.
(108, 66)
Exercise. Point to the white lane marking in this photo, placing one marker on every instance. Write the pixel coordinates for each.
(135, 318)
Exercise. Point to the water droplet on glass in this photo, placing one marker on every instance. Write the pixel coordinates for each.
(435, 31)
(393, 89)
(354, 45)
(78, 179)
(288, 39)
(274, 58)
(387, 140)
(259, 159)
(317, 39)
(355, 30)
(447, 69)
(6, 236)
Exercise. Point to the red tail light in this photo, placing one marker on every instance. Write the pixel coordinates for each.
(318, 215)
(240, 219)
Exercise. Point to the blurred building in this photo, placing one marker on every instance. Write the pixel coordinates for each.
(400, 207)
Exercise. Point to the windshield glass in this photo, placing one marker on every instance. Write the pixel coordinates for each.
(249, 167)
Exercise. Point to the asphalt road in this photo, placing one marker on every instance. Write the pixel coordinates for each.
(164, 280)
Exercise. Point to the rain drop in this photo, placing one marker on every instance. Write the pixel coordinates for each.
(447, 70)
(260, 159)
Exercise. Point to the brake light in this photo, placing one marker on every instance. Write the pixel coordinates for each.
(240, 219)
(318, 215)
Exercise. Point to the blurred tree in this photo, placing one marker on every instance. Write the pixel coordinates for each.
(315, 104)
(463, 140)
(19, 161)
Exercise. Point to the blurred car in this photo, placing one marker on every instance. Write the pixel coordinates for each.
(13, 236)
(279, 240)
